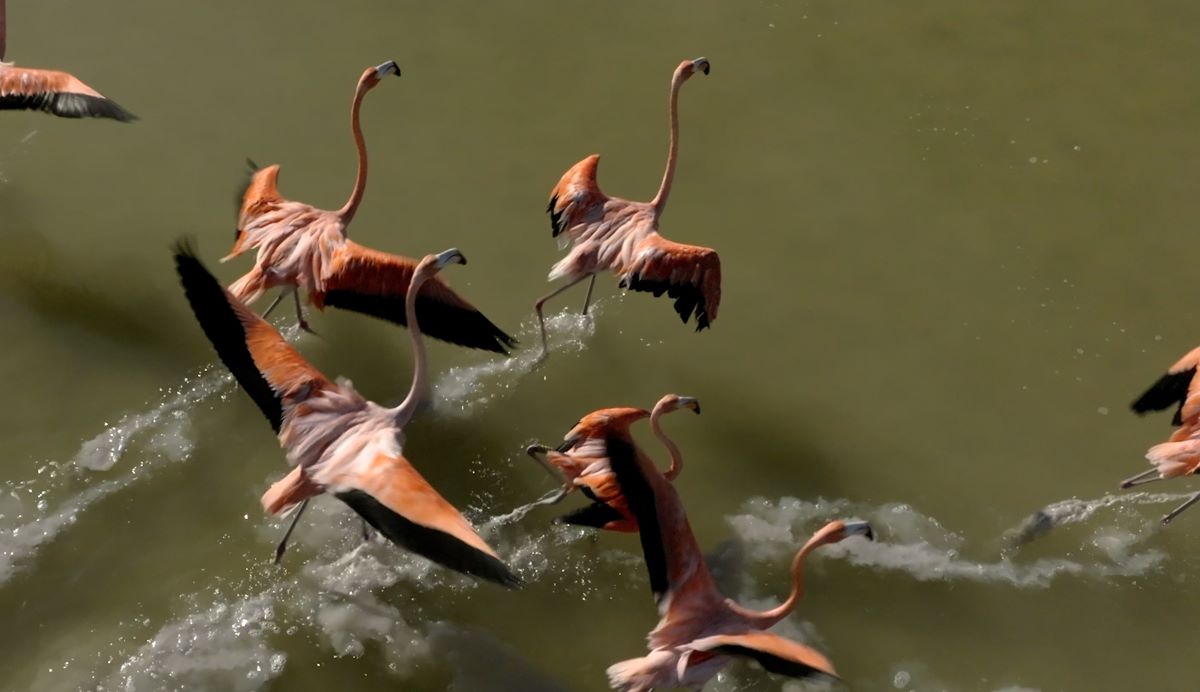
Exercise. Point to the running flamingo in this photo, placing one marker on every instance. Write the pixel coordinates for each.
(610, 233)
(699, 628)
(582, 461)
(338, 441)
(300, 246)
(1180, 454)
(51, 91)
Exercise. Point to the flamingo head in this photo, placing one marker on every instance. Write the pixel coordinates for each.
(674, 402)
(373, 75)
(687, 68)
(839, 530)
(432, 264)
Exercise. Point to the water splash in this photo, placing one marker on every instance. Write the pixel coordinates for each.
(460, 391)
(35, 511)
(917, 544)
(1075, 510)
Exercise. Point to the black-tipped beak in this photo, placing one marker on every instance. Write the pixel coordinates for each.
(701, 64)
(451, 256)
(860, 528)
(389, 67)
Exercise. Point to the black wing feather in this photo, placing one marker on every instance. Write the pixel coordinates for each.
(438, 546)
(596, 515)
(67, 105)
(775, 664)
(210, 303)
(688, 297)
(456, 325)
(623, 459)
(1170, 389)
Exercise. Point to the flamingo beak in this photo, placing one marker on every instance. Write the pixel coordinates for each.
(859, 528)
(451, 256)
(690, 402)
(389, 67)
(700, 64)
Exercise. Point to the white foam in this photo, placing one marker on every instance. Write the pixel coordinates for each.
(463, 389)
(35, 511)
(911, 542)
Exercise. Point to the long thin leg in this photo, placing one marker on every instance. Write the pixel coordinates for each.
(366, 530)
(277, 300)
(587, 300)
(300, 312)
(542, 319)
(1179, 510)
(283, 543)
(1141, 478)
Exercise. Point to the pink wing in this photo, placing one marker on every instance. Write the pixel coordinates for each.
(394, 498)
(688, 273)
(774, 653)
(57, 93)
(376, 283)
(258, 194)
(576, 199)
(271, 371)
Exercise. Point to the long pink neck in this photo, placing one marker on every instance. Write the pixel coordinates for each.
(404, 412)
(664, 190)
(360, 181)
(3, 29)
(767, 618)
(672, 448)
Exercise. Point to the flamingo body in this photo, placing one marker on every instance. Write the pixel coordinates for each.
(302, 247)
(700, 630)
(337, 441)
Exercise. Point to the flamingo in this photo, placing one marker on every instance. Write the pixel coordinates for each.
(338, 441)
(51, 91)
(700, 630)
(300, 246)
(1180, 454)
(582, 461)
(610, 233)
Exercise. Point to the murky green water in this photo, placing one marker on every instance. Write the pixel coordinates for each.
(956, 240)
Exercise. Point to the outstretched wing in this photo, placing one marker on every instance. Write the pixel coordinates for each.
(271, 371)
(394, 498)
(776, 654)
(1178, 385)
(57, 93)
(640, 495)
(688, 273)
(576, 198)
(376, 283)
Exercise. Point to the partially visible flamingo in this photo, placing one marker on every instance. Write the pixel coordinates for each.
(1180, 454)
(300, 246)
(699, 628)
(51, 91)
(582, 461)
(339, 442)
(617, 235)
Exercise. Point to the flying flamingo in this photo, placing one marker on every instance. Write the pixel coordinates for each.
(339, 442)
(610, 233)
(51, 91)
(300, 246)
(582, 461)
(699, 628)
(1180, 454)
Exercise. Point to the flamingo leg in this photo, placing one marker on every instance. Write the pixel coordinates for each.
(277, 300)
(1140, 479)
(283, 543)
(587, 300)
(1179, 510)
(542, 318)
(300, 312)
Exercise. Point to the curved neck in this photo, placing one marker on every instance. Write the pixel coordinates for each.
(404, 412)
(664, 189)
(767, 618)
(672, 448)
(360, 181)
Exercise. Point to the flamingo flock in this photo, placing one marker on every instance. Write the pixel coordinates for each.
(336, 442)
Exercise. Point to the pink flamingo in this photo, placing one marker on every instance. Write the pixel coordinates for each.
(582, 461)
(51, 91)
(700, 630)
(337, 441)
(300, 246)
(614, 234)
